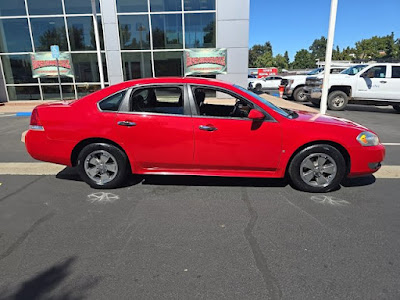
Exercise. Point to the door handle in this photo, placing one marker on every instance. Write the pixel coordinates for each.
(207, 127)
(383, 81)
(126, 123)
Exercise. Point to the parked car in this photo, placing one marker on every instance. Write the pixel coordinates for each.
(198, 126)
(266, 83)
(376, 84)
(294, 84)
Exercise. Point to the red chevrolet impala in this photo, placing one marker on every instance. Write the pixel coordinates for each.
(196, 126)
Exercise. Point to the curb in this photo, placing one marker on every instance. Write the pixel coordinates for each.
(23, 114)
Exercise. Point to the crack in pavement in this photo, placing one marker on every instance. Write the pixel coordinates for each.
(22, 238)
(261, 262)
(21, 188)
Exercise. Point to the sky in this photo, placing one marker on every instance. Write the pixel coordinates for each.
(293, 25)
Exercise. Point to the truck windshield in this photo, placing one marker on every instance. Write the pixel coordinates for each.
(269, 104)
(316, 71)
(353, 70)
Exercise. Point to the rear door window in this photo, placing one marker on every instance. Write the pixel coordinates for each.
(396, 72)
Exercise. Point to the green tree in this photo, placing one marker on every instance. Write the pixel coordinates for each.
(265, 60)
(318, 48)
(303, 60)
(286, 55)
(280, 62)
(257, 51)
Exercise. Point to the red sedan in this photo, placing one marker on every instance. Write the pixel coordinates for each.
(196, 126)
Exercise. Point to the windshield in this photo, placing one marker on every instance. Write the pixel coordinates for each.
(353, 70)
(266, 102)
(316, 71)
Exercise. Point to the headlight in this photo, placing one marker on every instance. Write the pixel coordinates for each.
(367, 138)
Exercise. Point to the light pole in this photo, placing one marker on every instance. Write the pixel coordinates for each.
(328, 56)
(97, 39)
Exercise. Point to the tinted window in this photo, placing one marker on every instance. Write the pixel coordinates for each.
(132, 6)
(112, 102)
(81, 33)
(18, 69)
(164, 100)
(199, 5)
(80, 6)
(165, 5)
(134, 32)
(168, 63)
(86, 68)
(220, 104)
(376, 72)
(395, 72)
(167, 31)
(15, 36)
(44, 7)
(200, 30)
(136, 65)
(12, 8)
(47, 32)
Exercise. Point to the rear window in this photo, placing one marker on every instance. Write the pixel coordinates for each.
(395, 72)
(112, 103)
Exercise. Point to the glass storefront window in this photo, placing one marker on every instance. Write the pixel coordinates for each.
(165, 5)
(15, 36)
(167, 31)
(80, 6)
(168, 63)
(200, 4)
(12, 8)
(23, 92)
(136, 65)
(200, 30)
(47, 32)
(81, 33)
(17, 69)
(134, 32)
(86, 68)
(132, 6)
(86, 89)
(44, 7)
(52, 92)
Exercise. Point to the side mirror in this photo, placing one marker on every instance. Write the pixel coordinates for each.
(255, 114)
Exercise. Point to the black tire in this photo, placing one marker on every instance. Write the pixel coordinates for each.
(121, 160)
(258, 87)
(396, 108)
(316, 103)
(298, 94)
(337, 100)
(295, 168)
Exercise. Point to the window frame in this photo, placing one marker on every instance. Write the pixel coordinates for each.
(196, 112)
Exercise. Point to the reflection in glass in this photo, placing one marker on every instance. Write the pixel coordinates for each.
(132, 6)
(80, 6)
(86, 68)
(18, 69)
(44, 7)
(12, 8)
(23, 93)
(199, 4)
(167, 31)
(14, 36)
(136, 65)
(134, 32)
(200, 30)
(47, 32)
(52, 92)
(165, 5)
(86, 89)
(168, 63)
(81, 33)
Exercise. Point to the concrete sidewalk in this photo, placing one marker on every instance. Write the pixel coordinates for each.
(28, 106)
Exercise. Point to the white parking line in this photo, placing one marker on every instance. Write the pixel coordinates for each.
(391, 144)
(7, 115)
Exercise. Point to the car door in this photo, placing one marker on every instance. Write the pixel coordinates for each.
(372, 83)
(226, 140)
(156, 127)
(393, 83)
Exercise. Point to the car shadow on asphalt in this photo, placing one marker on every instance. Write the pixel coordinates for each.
(360, 108)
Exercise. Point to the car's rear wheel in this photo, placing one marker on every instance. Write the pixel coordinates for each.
(317, 169)
(102, 166)
(299, 94)
(337, 100)
(396, 108)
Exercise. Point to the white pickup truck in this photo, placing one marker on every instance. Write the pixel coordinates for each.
(377, 84)
(294, 84)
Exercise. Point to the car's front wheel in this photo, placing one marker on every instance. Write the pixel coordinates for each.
(102, 166)
(317, 169)
(258, 87)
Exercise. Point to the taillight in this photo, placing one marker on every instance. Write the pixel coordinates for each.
(35, 123)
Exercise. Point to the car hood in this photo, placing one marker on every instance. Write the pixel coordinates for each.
(305, 116)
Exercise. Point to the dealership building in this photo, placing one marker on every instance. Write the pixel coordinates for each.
(137, 38)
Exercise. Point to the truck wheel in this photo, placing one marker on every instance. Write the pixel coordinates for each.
(258, 87)
(299, 95)
(396, 108)
(317, 169)
(337, 100)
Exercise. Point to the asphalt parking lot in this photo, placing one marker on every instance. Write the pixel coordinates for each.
(183, 237)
